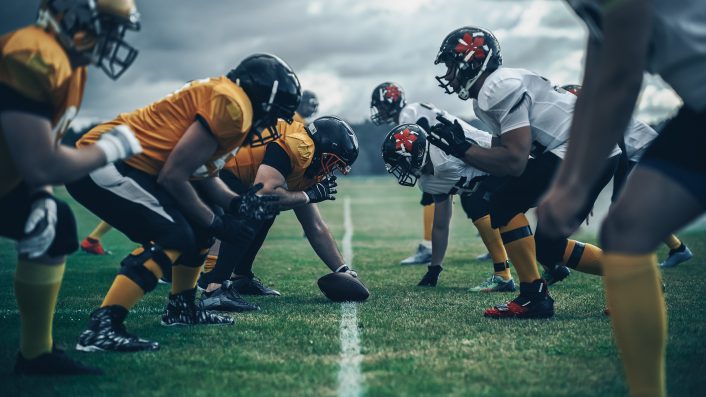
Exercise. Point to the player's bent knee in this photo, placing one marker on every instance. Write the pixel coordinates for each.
(133, 266)
(66, 239)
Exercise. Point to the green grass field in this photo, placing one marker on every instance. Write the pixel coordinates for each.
(414, 341)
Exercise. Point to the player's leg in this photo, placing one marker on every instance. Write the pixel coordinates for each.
(243, 278)
(37, 283)
(423, 254)
(670, 181)
(92, 242)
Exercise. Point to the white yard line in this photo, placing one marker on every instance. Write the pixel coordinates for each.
(350, 377)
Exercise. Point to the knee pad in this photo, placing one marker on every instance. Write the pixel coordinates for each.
(133, 266)
(475, 205)
(427, 199)
(192, 259)
(66, 239)
(550, 252)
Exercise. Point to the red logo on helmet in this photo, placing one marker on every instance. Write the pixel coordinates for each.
(469, 44)
(392, 93)
(405, 139)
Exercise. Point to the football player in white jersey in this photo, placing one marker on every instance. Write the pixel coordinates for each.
(627, 38)
(530, 119)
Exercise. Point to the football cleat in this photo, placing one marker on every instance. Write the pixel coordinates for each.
(252, 286)
(106, 332)
(226, 299)
(533, 302)
(484, 257)
(52, 364)
(557, 274)
(431, 277)
(495, 283)
(93, 246)
(421, 257)
(677, 256)
(183, 310)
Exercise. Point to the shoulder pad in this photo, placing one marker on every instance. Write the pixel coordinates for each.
(502, 88)
(296, 142)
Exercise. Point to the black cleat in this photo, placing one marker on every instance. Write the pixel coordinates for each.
(183, 310)
(431, 277)
(533, 302)
(106, 332)
(252, 286)
(54, 363)
(226, 299)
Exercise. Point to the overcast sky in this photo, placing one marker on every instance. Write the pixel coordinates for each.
(340, 49)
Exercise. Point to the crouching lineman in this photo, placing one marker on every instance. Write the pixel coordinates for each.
(530, 118)
(289, 168)
(154, 200)
(42, 76)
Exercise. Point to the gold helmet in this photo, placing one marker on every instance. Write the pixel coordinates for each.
(92, 31)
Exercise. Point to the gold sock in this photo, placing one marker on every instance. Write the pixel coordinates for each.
(184, 278)
(491, 238)
(634, 293)
(585, 258)
(210, 263)
(519, 244)
(673, 242)
(36, 290)
(428, 221)
(100, 230)
(124, 292)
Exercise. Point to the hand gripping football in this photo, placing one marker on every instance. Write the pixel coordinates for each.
(341, 287)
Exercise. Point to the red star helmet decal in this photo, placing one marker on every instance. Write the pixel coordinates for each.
(392, 93)
(472, 47)
(404, 140)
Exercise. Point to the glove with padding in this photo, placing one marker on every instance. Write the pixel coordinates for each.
(40, 227)
(119, 143)
(324, 190)
(345, 269)
(449, 137)
(230, 229)
(253, 206)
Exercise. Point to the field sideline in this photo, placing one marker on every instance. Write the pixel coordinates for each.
(414, 341)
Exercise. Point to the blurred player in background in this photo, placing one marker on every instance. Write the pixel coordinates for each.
(667, 189)
(42, 78)
(307, 107)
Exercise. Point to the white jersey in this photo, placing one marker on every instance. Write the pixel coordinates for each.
(414, 112)
(677, 44)
(513, 98)
(637, 139)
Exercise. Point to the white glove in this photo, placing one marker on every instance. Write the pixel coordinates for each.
(119, 143)
(40, 227)
(345, 269)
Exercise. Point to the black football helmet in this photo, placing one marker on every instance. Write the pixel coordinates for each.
(572, 88)
(273, 90)
(467, 52)
(335, 147)
(387, 103)
(309, 104)
(404, 151)
(92, 31)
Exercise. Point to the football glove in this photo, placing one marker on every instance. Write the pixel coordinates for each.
(449, 137)
(230, 229)
(252, 206)
(40, 227)
(431, 277)
(118, 144)
(345, 269)
(324, 190)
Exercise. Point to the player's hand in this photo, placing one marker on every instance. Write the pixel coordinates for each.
(559, 211)
(118, 144)
(253, 206)
(345, 269)
(230, 229)
(449, 137)
(40, 227)
(324, 190)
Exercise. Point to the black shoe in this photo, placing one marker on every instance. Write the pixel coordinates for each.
(252, 286)
(183, 310)
(226, 299)
(106, 332)
(557, 274)
(533, 302)
(431, 277)
(54, 363)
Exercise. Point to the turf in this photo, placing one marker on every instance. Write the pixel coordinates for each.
(415, 341)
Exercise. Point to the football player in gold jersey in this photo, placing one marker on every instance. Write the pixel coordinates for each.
(299, 169)
(165, 197)
(42, 77)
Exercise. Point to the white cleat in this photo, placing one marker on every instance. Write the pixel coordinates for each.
(421, 257)
(676, 257)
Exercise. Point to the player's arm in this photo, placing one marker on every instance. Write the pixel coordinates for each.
(319, 236)
(508, 157)
(216, 191)
(42, 162)
(440, 228)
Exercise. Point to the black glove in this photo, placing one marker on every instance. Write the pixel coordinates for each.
(229, 229)
(449, 137)
(324, 190)
(431, 277)
(252, 206)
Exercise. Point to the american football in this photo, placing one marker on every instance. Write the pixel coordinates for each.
(352, 198)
